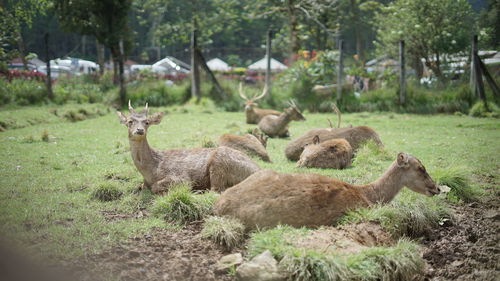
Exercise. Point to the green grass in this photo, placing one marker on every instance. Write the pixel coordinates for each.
(227, 232)
(45, 187)
(401, 261)
(181, 205)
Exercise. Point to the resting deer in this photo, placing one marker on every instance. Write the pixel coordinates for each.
(251, 144)
(356, 136)
(266, 198)
(203, 168)
(334, 153)
(277, 126)
(253, 113)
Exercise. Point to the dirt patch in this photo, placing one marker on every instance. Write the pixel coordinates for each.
(347, 239)
(162, 255)
(469, 249)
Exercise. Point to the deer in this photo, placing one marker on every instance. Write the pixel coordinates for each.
(253, 113)
(251, 144)
(202, 168)
(267, 198)
(334, 153)
(277, 126)
(356, 136)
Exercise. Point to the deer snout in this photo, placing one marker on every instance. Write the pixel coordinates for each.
(434, 190)
(139, 131)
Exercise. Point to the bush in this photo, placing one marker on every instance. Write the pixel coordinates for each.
(181, 205)
(478, 110)
(106, 192)
(158, 93)
(22, 92)
(227, 232)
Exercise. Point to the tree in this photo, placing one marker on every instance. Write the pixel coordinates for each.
(431, 29)
(107, 21)
(13, 14)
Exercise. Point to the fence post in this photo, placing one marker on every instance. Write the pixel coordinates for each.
(473, 86)
(340, 70)
(195, 71)
(50, 94)
(268, 63)
(477, 73)
(402, 73)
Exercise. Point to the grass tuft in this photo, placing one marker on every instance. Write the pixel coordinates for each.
(410, 215)
(478, 110)
(227, 232)
(208, 143)
(399, 262)
(458, 182)
(181, 205)
(106, 192)
(371, 154)
(45, 136)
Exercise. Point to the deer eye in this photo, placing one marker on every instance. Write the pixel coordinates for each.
(130, 122)
(146, 122)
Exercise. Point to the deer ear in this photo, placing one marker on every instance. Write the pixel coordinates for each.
(156, 118)
(255, 132)
(316, 139)
(402, 159)
(122, 118)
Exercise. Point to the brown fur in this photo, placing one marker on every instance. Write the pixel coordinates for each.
(252, 112)
(355, 136)
(334, 153)
(202, 168)
(266, 198)
(277, 126)
(250, 144)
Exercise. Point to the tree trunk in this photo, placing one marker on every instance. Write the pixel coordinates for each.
(357, 32)
(50, 94)
(195, 70)
(294, 37)
(100, 57)
(121, 75)
(22, 49)
(417, 65)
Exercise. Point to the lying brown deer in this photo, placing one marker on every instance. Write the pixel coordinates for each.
(253, 113)
(251, 144)
(266, 198)
(334, 153)
(277, 126)
(203, 168)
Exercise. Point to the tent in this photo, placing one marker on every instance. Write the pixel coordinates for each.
(261, 65)
(172, 65)
(217, 64)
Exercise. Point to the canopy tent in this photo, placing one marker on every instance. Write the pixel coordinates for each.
(261, 65)
(172, 65)
(217, 64)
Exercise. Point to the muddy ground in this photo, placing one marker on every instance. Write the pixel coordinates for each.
(469, 248)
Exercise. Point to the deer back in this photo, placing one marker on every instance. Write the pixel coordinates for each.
(334, 153)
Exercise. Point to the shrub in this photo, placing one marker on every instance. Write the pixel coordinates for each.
(227, 232)
(106, 192)
(157, 93)
(478, 110)
(182, 205)
(22, 92)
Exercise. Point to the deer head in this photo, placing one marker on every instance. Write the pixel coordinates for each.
(415, 176)
(260, 136)
(138, 123)
(294, 112)
(251, 103)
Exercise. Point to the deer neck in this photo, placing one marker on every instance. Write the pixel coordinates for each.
(144, 158)
(385, 188)
(284, 119)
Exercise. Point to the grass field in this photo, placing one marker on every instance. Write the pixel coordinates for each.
(49, 171)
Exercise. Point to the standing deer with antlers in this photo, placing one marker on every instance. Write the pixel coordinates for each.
(254, 114)
(202, 168)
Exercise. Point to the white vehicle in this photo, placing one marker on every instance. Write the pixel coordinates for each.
(56, 71)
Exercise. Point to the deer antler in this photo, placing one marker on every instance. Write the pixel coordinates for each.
(264, 93)
(146, 109)
(242, 95)
(130, 108)
(338, 114)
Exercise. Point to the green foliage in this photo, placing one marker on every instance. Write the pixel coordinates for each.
(370, 154)
(227, 232)
(106, 192)
(458, 181)
(479, 110)
(158, 93)
(22, 92)
(429, 28)
(181, 205)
